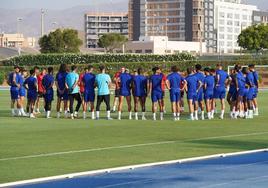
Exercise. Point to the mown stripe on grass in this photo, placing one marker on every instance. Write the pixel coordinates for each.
(128, 146)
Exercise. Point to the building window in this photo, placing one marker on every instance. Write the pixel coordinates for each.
(148, 51)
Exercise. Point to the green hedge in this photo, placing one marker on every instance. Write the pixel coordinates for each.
(56, 59)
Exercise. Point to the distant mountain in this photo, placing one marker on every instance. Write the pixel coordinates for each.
(72, 17)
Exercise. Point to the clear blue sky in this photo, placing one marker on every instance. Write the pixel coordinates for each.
(62, 4)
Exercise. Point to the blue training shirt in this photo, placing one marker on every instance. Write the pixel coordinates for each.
(140, 85)
(201, 77)
(31, 83)
(60, 78)
(89, 82)
(125, 83)
(222, 76)
(192, 83)
(241, 80)
(250, 79)
(209, 81)
(175, 80)
(70, 80)
(156, 81)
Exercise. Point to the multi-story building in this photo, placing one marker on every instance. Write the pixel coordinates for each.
(230, 18)
(260, 17)
(97, 24)
(16, 40)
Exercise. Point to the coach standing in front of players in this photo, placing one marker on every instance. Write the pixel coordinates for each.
(71, 84)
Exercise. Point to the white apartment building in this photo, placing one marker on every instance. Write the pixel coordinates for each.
(231, 17)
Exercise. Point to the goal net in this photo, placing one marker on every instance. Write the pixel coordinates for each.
(263, 75)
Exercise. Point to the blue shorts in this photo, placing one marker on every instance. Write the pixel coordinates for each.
(22, 92)
(63, 96)
(14, 93)
(192, 96)
(124, 93)
(256, 91)
(89, 96)
(139, 94)
(157, 96)
(175, 96)
(208, 95)
(246, 93)
(250, 94)
(241, 92)
(49, 95)
(200, 95)
(233, 94)
(32, 95)
(219, 93)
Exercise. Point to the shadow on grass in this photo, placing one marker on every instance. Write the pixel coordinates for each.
(232, 144)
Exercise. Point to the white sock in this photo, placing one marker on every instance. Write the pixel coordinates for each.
(84, 115)
(48, 114)
(178, 114)
(98, 114)
(161, 115)
(154, 116)
(13, 111)
(143, 114)
(130, 115)
(92, 115)
(203, 115)
(209, 115)
(58, 114)
(136, 115)
(222, 113)
(119, 114)
(114, 107)
(196, 114)
(192, 116)
(108, 114)
(174, 115)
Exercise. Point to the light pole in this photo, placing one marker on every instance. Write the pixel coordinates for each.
(18, 35)
(42, 22)
(18, 24)
(167, 20)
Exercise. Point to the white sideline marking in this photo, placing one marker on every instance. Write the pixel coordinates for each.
(126, 146)
(95, 172)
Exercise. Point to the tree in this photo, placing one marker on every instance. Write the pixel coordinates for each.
(60, 41)
(254, 38)
(112, 41)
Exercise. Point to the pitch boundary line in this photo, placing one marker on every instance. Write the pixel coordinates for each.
(127, 146)
(109, 170)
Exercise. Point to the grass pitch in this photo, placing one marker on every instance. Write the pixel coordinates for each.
(40, 147)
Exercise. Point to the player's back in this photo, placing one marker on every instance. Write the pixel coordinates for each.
(241, 80)
(60, 78)
(31, 83)
(221, 76)
(209, 82)
(192, 83)
(175, 80)
(140, 84)
(89, 81)
(125, 81)
(156, 81)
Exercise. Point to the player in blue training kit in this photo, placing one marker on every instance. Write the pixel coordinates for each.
(14, 83)
(250, 94)
(22, 92)
(256, 82)
(48, 82)
(173, 83)
(89, 91)
(125, 84)
(192, 89)
(31, 86)
(62, 92)
(200, 95)
(155, 88)
(241, 88)
(222, 80)
(209, 83)
(140, 84)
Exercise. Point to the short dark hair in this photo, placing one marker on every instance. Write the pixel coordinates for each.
(219, 65)
(102, 67)
(198, 67)
(207, 69)
(73, 67)
(50, 69)
(237, 67)
(32, 71)
(212, 70)
(189, 70)
(63, 68)
(140, 70)
(16, 67)
(90, 67)
(174, 68)
(36, 68)
(244, 70)
(251, 66)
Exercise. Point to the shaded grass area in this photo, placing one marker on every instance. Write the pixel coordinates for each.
(24, 137)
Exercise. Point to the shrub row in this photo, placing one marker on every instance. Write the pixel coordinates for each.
(56, 59)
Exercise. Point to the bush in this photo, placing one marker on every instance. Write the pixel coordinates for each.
(56, 59)
(2, 77)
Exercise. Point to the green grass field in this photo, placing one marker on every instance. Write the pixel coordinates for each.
(35, 148)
